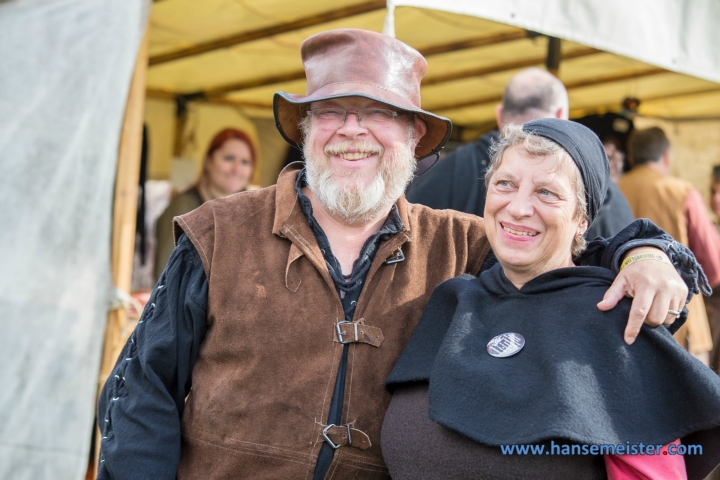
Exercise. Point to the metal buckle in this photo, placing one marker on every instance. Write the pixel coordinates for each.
(332, 444)
(397, 257)
(340, 334)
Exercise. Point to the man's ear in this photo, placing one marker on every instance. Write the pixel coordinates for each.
(561, 114)
(498, 115)
(420, 129)
(666, 158)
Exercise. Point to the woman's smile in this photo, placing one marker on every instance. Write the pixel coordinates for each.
(531, 214)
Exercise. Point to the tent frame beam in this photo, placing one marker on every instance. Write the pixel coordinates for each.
(504, 67)
(497, 39)
(569, 86)
(656, 98)
(266, 32)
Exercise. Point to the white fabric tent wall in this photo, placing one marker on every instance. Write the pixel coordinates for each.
(64, 78)
(679, 35)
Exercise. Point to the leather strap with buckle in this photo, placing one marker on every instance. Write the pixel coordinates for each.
(358, 332)
(344, 435)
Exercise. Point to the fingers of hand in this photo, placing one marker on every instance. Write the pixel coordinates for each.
(662, 302)
(641, 306)
(615, 293)
(658, 288)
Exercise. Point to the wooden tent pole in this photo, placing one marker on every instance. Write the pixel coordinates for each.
(124, 215)
(125, 206)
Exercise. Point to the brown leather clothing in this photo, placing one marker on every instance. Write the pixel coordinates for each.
(264, 375)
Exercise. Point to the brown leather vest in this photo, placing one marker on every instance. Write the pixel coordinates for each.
(659, 198)
(265, 373)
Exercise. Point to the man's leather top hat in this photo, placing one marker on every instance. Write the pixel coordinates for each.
(350, 62)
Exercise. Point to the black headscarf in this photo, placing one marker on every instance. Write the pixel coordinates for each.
(585, 149)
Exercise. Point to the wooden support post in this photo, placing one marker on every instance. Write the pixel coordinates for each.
(554, 54)
(124, 214)
(181, 115)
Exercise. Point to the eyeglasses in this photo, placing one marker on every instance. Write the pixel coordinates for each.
(367, 117)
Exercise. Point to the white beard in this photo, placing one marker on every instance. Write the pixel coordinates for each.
(355, 203)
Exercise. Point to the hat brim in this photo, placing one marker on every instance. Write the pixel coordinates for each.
(290, 109)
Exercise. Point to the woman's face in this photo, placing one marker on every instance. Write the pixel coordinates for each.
(715, 198)
(530, 215)
(229, 168)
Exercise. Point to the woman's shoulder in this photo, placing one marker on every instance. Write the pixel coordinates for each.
(184, 202)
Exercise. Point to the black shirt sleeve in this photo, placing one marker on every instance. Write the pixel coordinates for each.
(141, 404)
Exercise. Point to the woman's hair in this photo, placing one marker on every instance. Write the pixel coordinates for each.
(514, 136)
(226, 134)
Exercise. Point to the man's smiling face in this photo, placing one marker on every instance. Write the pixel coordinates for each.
(359, 168)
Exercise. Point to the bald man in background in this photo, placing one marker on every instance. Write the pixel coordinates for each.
(457, 180)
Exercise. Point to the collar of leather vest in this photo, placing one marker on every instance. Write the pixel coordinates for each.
(287, 205)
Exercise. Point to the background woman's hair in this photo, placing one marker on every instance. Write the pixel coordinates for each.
(716, 174)
(226, 134)
(514, 136)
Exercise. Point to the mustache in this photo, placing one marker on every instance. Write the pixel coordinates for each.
(347, 146)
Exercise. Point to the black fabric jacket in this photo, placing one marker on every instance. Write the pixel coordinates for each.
(456, 181)
(575, 378)
(614, 215)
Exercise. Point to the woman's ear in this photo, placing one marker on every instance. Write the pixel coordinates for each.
(582, 228)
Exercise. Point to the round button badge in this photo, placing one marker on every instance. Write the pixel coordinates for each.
(506, 345)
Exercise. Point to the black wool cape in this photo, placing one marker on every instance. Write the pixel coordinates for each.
(574, 379)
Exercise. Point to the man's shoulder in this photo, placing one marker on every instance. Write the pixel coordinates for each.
(681, 183)
(245, 214)
(677, 187)
(235, 204)
(426, 217)
(243, 208)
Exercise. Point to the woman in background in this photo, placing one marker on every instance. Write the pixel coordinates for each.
(228, 168)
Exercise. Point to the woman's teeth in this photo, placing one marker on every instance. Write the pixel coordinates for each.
(517, 232)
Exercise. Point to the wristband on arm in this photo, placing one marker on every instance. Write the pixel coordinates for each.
(643, 256)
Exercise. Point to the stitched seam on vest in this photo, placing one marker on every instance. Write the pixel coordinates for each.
(333, 469)
(264, 445)
(243, 451)
(360, 459)
(296, 235)
(189, 231)
(367, 466)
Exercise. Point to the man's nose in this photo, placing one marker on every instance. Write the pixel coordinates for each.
(352, 127)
